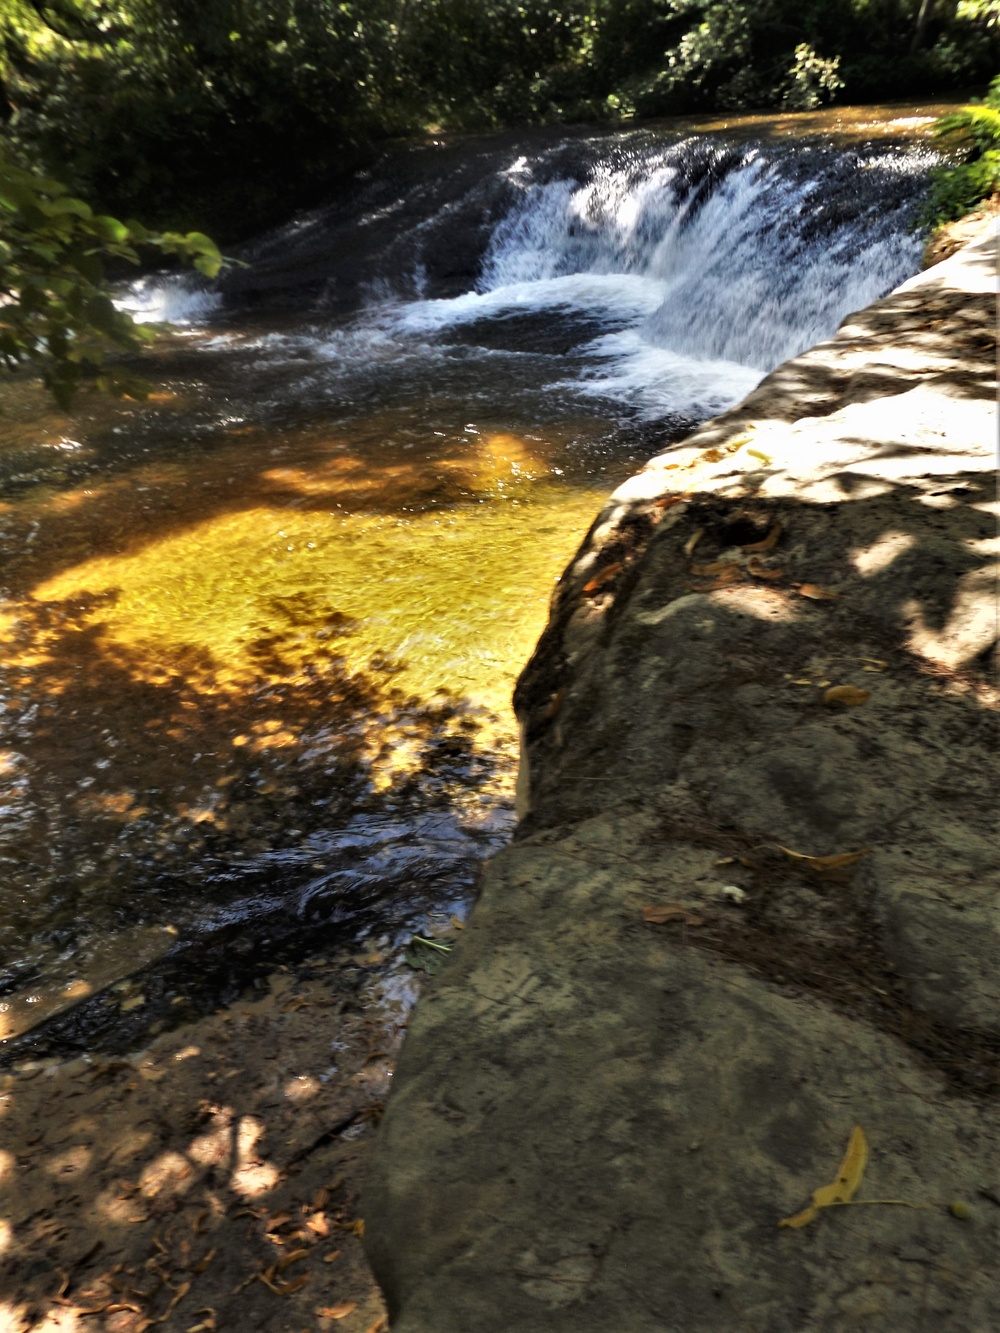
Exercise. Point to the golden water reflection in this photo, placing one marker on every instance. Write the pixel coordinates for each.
(212, 654)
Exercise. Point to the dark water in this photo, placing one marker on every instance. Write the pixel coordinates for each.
(259, 635)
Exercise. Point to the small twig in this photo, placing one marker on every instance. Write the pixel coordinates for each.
(430, 944)
(862, 1203)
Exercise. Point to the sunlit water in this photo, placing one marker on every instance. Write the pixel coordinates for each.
(260, 634)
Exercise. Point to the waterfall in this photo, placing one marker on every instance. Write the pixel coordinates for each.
(645, 276)
(698, 267)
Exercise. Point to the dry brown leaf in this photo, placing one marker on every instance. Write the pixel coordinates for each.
(874, 664)
(318, 1225)
(815, 593)
(203, 1263)
(290, 1259)
(843, 1189)
(602, 577)
(821, 863)
(290, 1288)
(846, 696)
(664, 914)
(278, 1220)
(759, 570)
(767, 543)
(667, 501)
(379, 1326)
(320, 1198)
(179, 1294)
(340, 1311)
(329, 1258)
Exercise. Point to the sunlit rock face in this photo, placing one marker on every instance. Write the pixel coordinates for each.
(764, 708)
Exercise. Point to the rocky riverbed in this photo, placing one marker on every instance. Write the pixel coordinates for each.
(744, 945)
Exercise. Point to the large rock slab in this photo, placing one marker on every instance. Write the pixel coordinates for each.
(598, 1122)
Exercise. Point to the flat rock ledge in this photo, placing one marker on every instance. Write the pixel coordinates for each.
(598, 1122)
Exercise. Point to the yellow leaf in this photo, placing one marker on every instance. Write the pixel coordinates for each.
(843, 1189)
(764, 458)
(821, 863)
(663, 914)
(847, 696)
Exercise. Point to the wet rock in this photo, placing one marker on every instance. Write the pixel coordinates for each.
(598, 1122)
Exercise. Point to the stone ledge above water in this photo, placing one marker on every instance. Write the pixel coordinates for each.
(597, 1123)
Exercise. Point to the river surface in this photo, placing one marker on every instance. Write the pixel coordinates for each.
(260, 632)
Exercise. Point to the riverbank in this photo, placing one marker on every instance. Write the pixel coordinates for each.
(753, 901)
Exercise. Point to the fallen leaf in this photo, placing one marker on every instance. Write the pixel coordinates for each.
(767, 543)
(821, 863)
(290, 1259)
(179, 1294)
(843, 1189)
(278, 1220)
(713, 456)
(663, 914)
(329, 1258)
(846, 696)
(874, 664)
(759, 570)
(318, 1225)
(290, 1288)
(667, 501)
(203, 1263)
(603, 576)
(135, 1002)
(320, 1198)
(815, 593)
(340, 1311)
(379, 1326)
(733, 574)
(761, 456)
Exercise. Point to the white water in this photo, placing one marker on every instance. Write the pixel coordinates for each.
(683, 272)
(703, 295)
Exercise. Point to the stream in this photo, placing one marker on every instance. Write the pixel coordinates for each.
(259, 634)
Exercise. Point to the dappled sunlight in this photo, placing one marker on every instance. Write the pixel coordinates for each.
(208, 1175)
(882, 552)
(428, 595)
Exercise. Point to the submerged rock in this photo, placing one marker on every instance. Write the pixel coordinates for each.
(599, 1122)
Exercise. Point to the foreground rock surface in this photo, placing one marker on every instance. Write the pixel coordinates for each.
(599, 1122)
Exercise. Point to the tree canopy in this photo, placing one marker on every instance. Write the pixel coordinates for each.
(224, 114)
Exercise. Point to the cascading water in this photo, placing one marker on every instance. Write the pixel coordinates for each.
(699, 268)
(259, 635)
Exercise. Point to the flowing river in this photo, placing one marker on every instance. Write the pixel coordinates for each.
(260, 633)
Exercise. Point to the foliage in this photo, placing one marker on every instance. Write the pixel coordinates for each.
(226, 114)
(974, 132)
(54, 310)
